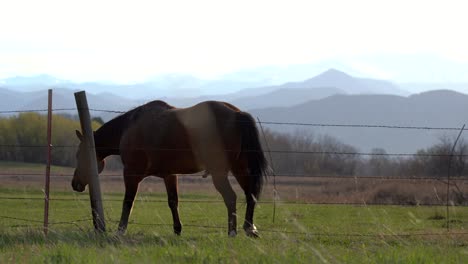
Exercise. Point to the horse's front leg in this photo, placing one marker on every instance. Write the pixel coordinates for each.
(132, 181)
(173, 201)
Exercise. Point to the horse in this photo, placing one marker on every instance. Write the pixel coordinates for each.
(157, 139)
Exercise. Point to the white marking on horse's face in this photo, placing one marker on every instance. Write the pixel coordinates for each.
(80, 179)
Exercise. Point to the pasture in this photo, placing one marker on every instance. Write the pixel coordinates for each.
(302, 232)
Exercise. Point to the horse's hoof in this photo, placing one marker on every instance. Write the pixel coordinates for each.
(177, 230)
(120, 233)
(251, 231)
(232, 233)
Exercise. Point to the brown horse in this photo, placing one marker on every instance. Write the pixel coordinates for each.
(160, 140)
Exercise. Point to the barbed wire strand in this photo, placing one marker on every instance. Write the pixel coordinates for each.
(299, 202)
(271, 151)
(311, 233)
(264, 122)
(314, 233)
(285, 175)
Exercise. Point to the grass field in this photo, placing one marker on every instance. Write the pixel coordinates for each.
(301, 233)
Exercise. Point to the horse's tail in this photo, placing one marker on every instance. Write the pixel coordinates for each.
(252, 150)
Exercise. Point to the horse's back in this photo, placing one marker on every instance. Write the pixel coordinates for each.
(186, 140)
(208, 112)
(211, 128)
(210, 120)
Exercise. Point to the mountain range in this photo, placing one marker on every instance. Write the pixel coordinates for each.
(332, 97)
(434, 109)
(323, 85)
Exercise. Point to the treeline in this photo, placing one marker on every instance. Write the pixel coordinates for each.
(304, 153)
(23, 139)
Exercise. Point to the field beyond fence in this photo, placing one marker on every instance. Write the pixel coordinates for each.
(317, 219)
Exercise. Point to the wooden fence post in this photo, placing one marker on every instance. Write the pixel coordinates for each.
(49, 158)
(90, 148)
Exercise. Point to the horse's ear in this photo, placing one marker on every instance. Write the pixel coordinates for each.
(79, 135)
(101, 166)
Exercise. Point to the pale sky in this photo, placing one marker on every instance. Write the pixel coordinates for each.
(131, 41)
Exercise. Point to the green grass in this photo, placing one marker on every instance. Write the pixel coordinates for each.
(300, 233)
(16, 165)
(31, 167)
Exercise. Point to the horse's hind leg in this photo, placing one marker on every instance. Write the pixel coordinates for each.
(242, 177)
(223, 186)
(132, 181)
(173, 200)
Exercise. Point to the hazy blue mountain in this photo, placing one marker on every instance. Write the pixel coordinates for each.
(277, 75)
(280, 97)
(172, 85)
(230, 86)
(323, 85)
(335, 79)
(400, 68)
(284, 97)
(9, 99)
(437, 73)
(62, 99)
(461, 87)
(351, 85)
(433, 109)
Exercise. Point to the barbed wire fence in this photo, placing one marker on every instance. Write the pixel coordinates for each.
(34, 223)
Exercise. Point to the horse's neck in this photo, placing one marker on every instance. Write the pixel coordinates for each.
(107, 139)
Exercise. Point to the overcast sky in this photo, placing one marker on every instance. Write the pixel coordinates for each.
(130, 41)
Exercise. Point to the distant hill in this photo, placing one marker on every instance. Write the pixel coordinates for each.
(186, 89)
(279, 97)
(421, 87)
(173, 85)
(431, 109)
(335, 79)
(328, 83)
(284, 97)
(62, 99)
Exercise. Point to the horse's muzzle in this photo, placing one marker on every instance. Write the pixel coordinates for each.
(78, 187)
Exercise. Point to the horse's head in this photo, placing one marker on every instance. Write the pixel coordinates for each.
(81, 177)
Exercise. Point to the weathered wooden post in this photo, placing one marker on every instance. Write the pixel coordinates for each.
(90, 148)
